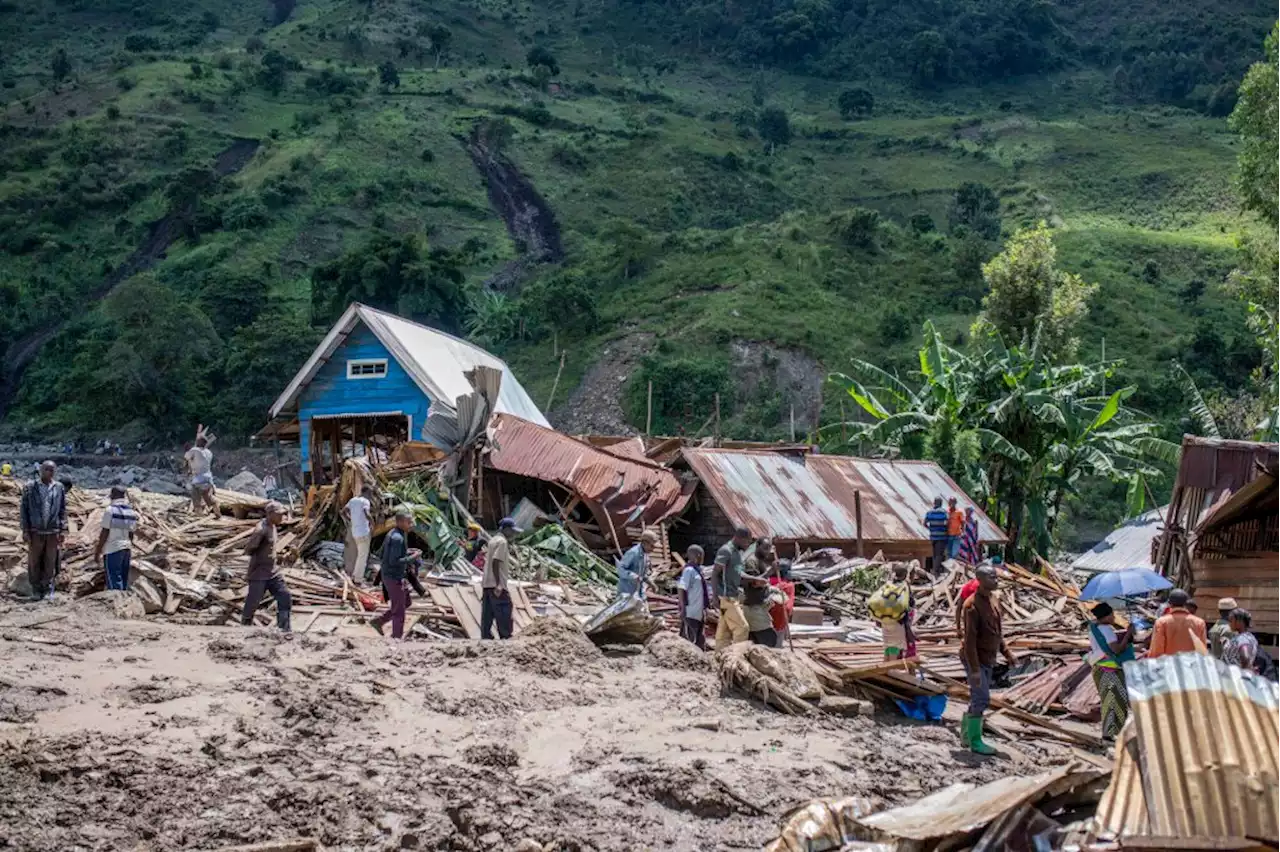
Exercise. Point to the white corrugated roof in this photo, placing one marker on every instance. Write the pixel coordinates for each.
(436, 361)
(1129, 546)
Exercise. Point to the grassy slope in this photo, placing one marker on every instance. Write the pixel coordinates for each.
(745, 252)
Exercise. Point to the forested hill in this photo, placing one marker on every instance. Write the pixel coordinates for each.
(731, 199)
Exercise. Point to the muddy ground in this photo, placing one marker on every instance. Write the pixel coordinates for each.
(137, 735)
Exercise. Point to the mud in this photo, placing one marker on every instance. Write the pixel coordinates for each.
(151, 736)
(595, 406)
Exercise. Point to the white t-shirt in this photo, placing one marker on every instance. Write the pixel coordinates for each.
(1096, 652)
(118, 532)
(359, 509)
(691, 582)
(200, 459)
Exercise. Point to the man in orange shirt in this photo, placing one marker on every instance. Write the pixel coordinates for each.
(1173, 631)
(955, 529)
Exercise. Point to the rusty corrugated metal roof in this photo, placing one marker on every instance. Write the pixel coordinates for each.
(626, 486)
(801, 497)
(1199, 757)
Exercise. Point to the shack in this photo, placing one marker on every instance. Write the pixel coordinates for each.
(373, 382)
(805, 500)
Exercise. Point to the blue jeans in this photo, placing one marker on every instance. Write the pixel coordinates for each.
(980, 698)
(117, 565)
(953, 546)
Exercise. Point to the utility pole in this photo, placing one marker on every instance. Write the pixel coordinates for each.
(716, 442)
(648, 416)
(1104, 365)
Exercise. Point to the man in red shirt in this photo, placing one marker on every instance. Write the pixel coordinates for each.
(781, 613)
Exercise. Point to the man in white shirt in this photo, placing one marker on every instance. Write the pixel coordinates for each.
(200, 464)
(119, 520)
(357, 513)
(495, 598)
(694, 597)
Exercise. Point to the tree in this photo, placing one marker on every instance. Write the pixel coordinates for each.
(258, 355)
(976, 208)
(1028, 295)
(774, 127)
(394, 273)
(539, 55)
(1255, 121)
(388, 75)
(61, 65)
(440, 37)
(273, 75)
(930, 58)
(855, 103)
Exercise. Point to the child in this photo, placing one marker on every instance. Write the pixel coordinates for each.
(695, 594)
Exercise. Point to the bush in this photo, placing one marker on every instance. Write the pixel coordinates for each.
(896, 325)
(569, 157)
(922, 223)
(857, 228)
(330, 82)
(855, 103)
(139, 42)
(774, 126)
(563, 302)
(976, 208)
(245, 213)
(684, 389)
(541, 56)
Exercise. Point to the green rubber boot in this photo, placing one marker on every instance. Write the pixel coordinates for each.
(976, 745)
(966, 739)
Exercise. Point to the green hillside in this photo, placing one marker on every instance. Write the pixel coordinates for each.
(719, 255)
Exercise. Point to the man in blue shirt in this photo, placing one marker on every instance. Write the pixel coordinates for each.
(936, 522)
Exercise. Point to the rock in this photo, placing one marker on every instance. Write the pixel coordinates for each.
(163, 486)
(147, 593)
(20, 585)
(246, 483)
(126, 605)
(490, 840)
(707, 724)
(528, 845)
(841, 705)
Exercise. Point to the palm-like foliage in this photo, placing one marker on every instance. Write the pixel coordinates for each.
(1022, 433)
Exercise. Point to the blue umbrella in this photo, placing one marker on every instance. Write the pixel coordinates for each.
(1120, 584)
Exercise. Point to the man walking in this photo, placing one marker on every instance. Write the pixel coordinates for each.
(357, 513)
(983, 638)
(200, 465)
(694, 595)
(1174, 631)
(264, 574)
(1221, 631)
(43, 513)
(935, 520)
(633, 570)
(115, 540)
(396, 558)
(495, 598)
(726, 579)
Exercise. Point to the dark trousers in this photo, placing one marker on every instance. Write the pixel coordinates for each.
(278, 590)
(42, 563)
(117, 566)
(413, 580)
(397, 592)
(495, 605)
(939, 554)
(764, 637)
(692, 630)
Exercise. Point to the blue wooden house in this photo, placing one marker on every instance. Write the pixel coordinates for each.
(374, 380)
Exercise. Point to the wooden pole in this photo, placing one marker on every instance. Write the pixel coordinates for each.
(648, 416)
(556, 383)
(716, 442)
(844, 434)
(857, 517)
(793, 424)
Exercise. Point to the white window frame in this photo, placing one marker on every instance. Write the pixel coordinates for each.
(367, 362)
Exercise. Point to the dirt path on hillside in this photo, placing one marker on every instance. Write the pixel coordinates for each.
(119, 734)
(161, 235)
(529, 219)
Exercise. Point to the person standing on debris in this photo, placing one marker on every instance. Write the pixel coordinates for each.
(983, 638)
(891, 605)
(633, 570)
(970, 545)
(358, 513)
(200, 465)
(43, 512)
(1108, 652)
(935, 520)
(695, 594)
(762, 559)
(473, 546)
(119, 520)
(758, 598)
(495, 598)
(726, 579)
(1221, 630)
(396, 558)
(955, 528)
(1174, 631)
(264, 574)
(781, 613)
(1242, 648)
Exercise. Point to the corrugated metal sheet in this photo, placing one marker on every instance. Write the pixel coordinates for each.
(599, 477)
(801, 497)
(962, 808)
(1201, 758)
(437, 362)
(1128, 546)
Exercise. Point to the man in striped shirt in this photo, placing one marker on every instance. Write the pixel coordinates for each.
(935, 520)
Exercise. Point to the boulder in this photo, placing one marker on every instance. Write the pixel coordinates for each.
(246, 483)
(842, 705)
(163, 486)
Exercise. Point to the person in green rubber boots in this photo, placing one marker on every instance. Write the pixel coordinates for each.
(983, 638)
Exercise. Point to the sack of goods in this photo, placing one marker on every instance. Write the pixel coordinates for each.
(890, 601)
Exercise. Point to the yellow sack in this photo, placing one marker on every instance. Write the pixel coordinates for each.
(891, 601)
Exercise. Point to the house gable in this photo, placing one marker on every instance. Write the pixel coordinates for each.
(353, 381)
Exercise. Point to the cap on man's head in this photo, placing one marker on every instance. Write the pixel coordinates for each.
(1226, 604)
(508, 524)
